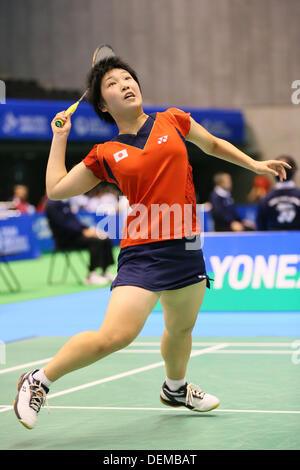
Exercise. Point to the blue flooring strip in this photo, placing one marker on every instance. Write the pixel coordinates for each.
(67, 315)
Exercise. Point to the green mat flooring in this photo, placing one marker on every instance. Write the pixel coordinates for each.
(32, 275)
(257, 383)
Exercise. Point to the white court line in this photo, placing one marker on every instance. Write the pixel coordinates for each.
(24, 366)
(124, 374)
(119, 408)
(211, 343)
(225, 351)
(132, 372)
(251, 351)
(154, 351)
(41, 361)
(6, 408)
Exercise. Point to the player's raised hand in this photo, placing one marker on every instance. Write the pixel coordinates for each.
(272, 167)
(65, 128)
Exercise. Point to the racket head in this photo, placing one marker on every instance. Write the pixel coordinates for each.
(103, 51)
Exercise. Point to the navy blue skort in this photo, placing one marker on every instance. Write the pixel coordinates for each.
(163, 265)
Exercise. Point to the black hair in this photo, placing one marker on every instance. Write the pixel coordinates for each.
(290, 172)
(94, 80)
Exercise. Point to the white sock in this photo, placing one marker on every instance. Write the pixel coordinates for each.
(175, 384)
(41, 377)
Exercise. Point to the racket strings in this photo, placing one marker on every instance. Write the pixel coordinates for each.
(102, 53)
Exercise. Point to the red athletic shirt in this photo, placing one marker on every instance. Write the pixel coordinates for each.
(152, 170)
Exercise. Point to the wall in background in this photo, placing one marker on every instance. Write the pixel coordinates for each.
(204, 53)
(219, 53)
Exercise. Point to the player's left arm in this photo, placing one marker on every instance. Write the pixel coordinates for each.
(220, 148)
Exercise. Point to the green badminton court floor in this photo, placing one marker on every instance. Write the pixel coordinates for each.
(114, 404)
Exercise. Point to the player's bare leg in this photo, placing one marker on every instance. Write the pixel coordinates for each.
(126, 314)
(181, 307)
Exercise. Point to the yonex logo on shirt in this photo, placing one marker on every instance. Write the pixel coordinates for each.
(160, 140)
(120, 155)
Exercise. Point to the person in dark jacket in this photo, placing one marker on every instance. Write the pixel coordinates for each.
(280, 208)
(69, 233)
(224, 213)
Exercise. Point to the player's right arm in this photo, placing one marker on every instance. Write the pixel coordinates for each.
(61, 184)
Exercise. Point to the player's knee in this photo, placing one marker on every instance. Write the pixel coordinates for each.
(121, 341)
(115, 341)
(180, 330)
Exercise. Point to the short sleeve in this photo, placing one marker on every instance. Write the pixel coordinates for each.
(182, 120)
(93, 163)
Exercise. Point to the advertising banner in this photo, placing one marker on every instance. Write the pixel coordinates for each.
(257, 271)
(30, 119)
(17, 239)
(251, 271)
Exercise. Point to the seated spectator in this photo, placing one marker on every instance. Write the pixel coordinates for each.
(70, 233)
(224, 213)
(103, 199)
(280, 208)
(261, 185)
(78, 203)
(20, 200)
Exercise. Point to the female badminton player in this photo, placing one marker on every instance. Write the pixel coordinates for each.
(148, 161)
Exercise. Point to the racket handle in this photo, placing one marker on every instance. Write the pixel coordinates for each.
(70, 110)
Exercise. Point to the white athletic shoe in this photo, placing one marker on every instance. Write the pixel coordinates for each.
(29, 400)
(190, 396)
(95, 279)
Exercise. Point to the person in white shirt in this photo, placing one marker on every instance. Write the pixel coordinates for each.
(102, 200)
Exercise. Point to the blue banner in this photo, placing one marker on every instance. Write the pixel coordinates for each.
(29, 235)
(252, 271)
(17, 239)
(226, 124)
(30, 119)
(42, 233)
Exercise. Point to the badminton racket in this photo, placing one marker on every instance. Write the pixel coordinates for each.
(102, 52)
